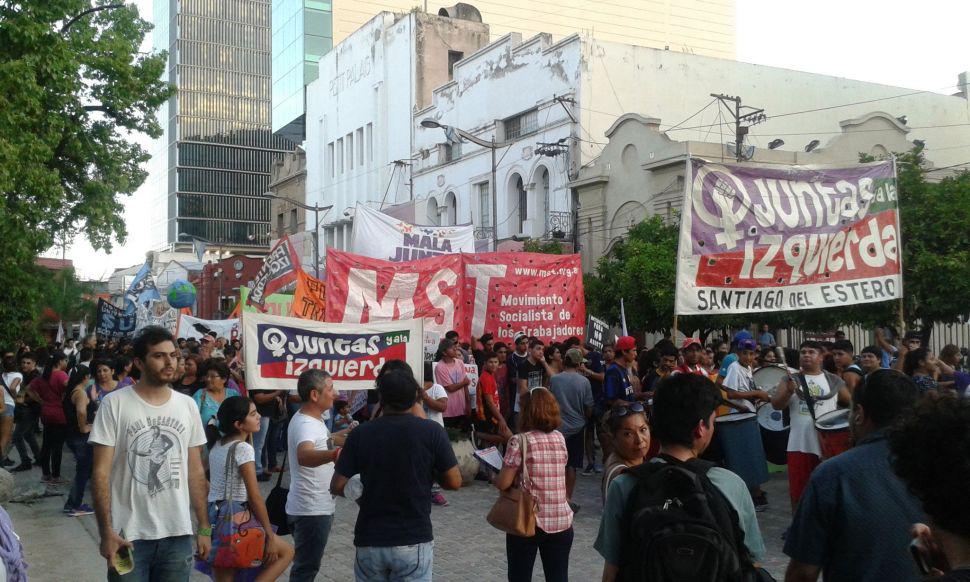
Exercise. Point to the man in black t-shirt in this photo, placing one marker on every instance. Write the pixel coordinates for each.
(515, 359)
(397, 457)
(532, 373)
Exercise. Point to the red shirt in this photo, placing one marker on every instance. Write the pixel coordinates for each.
(487, 388)
(52, 393)
(685, 369)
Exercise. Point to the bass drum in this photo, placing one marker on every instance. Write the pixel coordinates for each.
(775, 427)
(767, 378)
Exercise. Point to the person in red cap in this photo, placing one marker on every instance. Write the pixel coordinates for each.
(691, 351)
(619, 385)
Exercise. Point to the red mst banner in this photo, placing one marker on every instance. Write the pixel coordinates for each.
(500, 293)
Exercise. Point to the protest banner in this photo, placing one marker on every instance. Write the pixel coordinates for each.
(194, 327)
(156, 314)
(596, 330)
(278, 349)
(279, 269)
(142, 288)
(380, 236)
(499, 293)
(113, 322)
(308, 299)
(275, 304)
(758, 238)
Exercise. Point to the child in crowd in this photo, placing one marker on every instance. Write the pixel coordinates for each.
(342, 420)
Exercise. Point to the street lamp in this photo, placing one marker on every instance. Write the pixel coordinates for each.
(316, 208)
(492, 145)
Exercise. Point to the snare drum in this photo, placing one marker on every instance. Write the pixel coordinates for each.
(767, 378)
(774, 433)
(833, 431)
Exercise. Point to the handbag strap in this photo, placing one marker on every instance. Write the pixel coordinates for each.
(229, 485)
(524, 442)
(279, 480)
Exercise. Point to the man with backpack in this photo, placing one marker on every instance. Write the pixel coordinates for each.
(678, 517)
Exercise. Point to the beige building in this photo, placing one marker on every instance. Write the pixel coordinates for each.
(702, 28)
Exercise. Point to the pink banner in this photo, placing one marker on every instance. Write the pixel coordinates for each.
(499, 293)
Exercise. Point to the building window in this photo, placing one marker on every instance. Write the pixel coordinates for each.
(279, 225)
(360, 146)
(516, 127)
(434, 217)
(450, 211)
(453, 57)
(484, 204)
(350, 150)
(330, 166)
(452, 151)
(293, 221)
(340, 155)
(370, 142)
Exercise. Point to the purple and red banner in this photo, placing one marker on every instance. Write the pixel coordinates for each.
(773, 238)
(499, 293)
(279, 349)
(279, 269)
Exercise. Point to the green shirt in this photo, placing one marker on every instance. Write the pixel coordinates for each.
(609, 539)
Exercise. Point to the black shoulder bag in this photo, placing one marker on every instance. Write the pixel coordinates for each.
(276, 503)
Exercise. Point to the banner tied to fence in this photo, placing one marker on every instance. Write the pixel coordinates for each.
(279, 349)
(757, 238)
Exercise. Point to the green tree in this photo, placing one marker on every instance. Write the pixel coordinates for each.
(76, 88)
(549, 247)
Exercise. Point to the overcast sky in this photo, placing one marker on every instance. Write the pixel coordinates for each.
(918, 45)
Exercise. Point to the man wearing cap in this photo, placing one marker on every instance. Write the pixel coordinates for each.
(733, 356)
(619, 385)
(208, 344)
(575, 397)
(691, 351)
(740, 436)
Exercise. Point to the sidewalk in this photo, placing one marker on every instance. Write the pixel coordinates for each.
(61, 548)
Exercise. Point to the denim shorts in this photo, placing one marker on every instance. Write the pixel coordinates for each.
(398, 563)
(8, 410)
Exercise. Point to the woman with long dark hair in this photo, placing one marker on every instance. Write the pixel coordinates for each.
(79, 412)
(48, 391)
(922, 365)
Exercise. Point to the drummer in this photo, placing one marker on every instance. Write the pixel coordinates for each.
(743, 449)
(804, 450)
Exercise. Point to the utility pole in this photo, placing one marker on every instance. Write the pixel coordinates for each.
(752, 117)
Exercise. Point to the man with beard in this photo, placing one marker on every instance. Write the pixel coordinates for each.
(148, 471)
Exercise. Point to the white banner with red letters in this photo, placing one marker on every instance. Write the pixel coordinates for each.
(278, 349)
(757, 238)
(499, 293)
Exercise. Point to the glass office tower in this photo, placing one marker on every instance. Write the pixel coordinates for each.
(213, 163)
(302, 33)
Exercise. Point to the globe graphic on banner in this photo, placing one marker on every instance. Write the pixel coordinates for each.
(181, 294)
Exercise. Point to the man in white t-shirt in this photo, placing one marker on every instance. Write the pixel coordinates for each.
(148, 471)
(804, 450)
(310, 454)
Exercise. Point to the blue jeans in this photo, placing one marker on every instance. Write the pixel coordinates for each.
(395, 563)
(164, 560)
(84, 455)
(310, 534)
(259, 439)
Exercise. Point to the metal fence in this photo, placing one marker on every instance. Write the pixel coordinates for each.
(943, 334)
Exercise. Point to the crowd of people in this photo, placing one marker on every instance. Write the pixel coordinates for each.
(680, 436)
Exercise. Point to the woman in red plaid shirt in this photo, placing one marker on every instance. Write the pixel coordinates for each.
(546, 462)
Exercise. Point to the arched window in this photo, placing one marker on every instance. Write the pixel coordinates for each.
(433, 216)
(450, 211)
(518, 204)
(541, 203)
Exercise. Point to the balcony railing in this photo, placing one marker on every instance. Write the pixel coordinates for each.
(559, 222)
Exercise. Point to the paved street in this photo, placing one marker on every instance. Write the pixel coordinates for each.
(61, 548)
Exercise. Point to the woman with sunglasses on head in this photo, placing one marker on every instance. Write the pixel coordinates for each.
(630, 435)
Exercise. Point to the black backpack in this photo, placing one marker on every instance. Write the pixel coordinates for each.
(681, 528)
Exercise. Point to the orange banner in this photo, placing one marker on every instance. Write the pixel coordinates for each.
(308, 300)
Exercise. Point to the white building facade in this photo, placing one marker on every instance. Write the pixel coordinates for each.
(550, 105)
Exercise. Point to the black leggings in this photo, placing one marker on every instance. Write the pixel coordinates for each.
(553, 551)
(51, 449)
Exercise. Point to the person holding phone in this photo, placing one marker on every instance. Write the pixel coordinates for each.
(930, 457)
(148, 477)
(853, 519)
